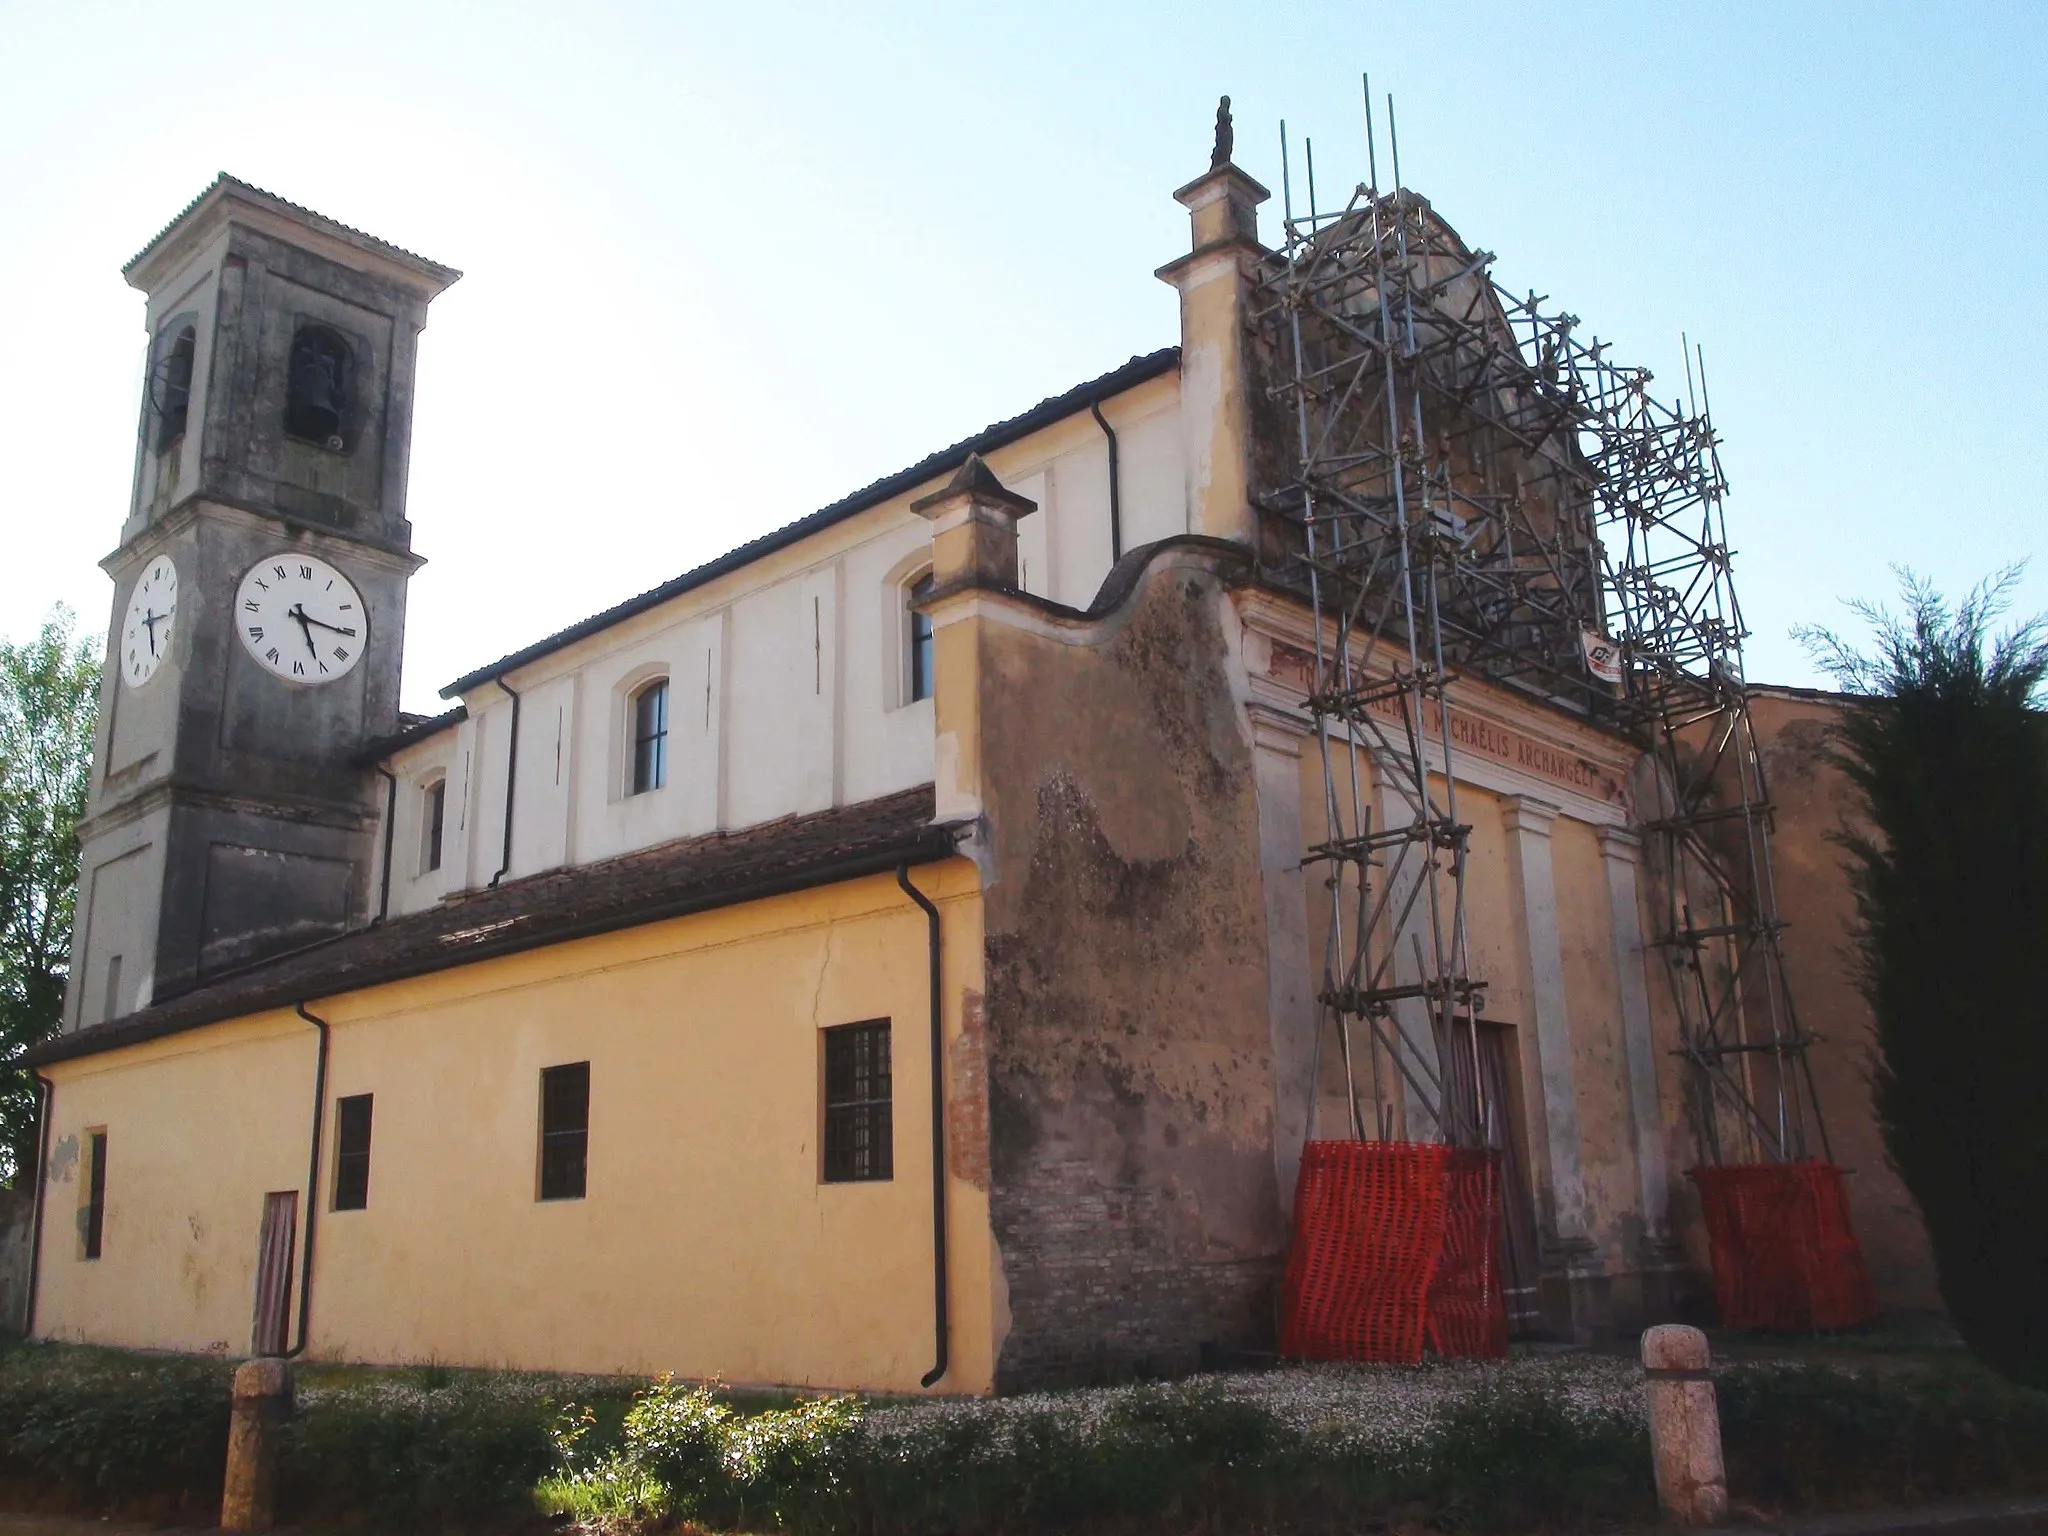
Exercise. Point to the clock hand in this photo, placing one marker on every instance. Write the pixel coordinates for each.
(298, 611)
(150, 620)
(307, 618)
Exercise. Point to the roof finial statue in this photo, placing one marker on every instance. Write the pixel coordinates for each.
(1220, 155)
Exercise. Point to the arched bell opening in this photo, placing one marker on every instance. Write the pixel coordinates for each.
(317, 388)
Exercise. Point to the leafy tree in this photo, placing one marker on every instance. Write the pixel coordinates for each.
(1949, 754)
(49, 699)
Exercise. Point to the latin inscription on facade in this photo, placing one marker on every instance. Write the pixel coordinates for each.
(1471, 733)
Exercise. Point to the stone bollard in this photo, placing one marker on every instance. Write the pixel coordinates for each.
(1685, 1426)
(263, 1400)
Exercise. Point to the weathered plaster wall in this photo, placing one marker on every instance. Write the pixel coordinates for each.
(707, 1244)
(789, 682)
(1814, 800)
(1133, 1193)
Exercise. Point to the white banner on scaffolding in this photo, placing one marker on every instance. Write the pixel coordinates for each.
(1603, 656)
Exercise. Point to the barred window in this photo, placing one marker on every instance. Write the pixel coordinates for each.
(564, 1130)
(650, 737)
(352, 1152)
(858, 1122)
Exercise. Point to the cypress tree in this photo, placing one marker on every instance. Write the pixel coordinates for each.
(1948, 753)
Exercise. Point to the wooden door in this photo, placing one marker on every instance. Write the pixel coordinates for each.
(1504, 1133)
(272, 1334)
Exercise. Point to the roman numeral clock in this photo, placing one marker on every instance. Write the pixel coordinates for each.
(259, 601)
(300, 618)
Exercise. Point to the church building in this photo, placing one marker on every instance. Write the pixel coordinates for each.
(890, 956)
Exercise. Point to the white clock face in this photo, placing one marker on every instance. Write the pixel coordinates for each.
(146, 631)
(300, 618)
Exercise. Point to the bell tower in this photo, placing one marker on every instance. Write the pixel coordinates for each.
(259, 599)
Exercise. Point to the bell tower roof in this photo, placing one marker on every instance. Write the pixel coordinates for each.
(228, 200)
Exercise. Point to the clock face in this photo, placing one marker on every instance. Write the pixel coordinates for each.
(146, 631)
(300, 618)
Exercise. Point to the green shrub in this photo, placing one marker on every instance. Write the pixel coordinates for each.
(679, 1437)
(1812, 1437)
(1512, 1458)
(462, 1450)
(794, 1468)
(109, 1426)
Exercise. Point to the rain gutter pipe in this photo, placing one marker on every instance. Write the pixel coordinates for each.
(390, 824)
(48, 1097)
(1116, 500)
(940, 1321)
(312, 1185)
(511, 780)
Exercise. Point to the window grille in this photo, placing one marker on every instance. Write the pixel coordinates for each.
(920, 642)
(650, 737)
(858, 1120)
(96, 1195)
(564, 1130)
(435, 820)
(352, 1152)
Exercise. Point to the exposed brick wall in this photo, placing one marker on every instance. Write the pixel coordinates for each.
(1132, 1188)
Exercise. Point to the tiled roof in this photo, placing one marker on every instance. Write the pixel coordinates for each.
(411, 728)
(1135, 372)
(695, 874)
(223, 179)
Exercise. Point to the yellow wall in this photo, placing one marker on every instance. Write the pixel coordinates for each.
(707, 1244)
(1607, 1134)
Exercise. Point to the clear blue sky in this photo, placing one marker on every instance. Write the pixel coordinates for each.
(727, 262)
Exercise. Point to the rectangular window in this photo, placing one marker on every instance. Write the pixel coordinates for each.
(113, 1005)
(650, 737)
(920, 643)
(352, 1152)
(93, 1219)
(564, 1130)
(859, 1138)
(433, 817)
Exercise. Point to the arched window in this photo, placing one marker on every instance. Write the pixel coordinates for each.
(316, 387)
(171, 385)
(920, 632)
(650, 737)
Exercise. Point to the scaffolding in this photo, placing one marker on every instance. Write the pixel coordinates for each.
(1463, 484)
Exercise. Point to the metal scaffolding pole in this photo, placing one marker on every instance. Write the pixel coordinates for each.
(1464, 485)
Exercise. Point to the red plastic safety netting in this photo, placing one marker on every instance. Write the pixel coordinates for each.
(1467, 1310)
(1785, 1256)
(1393, 1242)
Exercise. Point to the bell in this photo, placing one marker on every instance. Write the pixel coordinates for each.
(313, 402)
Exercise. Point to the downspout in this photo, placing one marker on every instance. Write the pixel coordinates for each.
(35, 1223)
(390, 824)
(312, 1185)
(511, 780)
(940, 1321)
(1116, 499)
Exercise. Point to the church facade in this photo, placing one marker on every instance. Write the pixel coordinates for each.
(884, 957)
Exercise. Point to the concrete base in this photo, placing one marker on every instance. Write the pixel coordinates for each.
(1577, 1299)
(1659, 1293)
